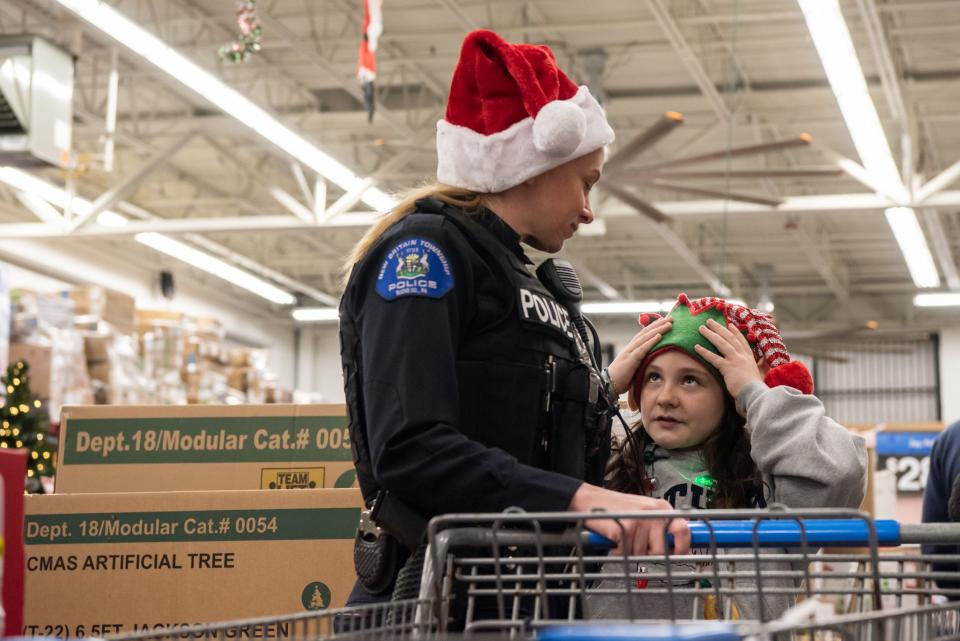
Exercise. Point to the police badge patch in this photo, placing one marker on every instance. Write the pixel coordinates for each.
(414, 267)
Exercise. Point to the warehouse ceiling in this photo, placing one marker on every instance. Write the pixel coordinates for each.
(741, 72)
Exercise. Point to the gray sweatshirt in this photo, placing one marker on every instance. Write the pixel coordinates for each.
(807, 460)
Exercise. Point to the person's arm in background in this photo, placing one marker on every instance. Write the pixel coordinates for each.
(936, 498)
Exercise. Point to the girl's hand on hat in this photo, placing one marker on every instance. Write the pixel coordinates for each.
(625, 365)
(736, 361)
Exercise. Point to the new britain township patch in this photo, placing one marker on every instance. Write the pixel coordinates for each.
(414, 267)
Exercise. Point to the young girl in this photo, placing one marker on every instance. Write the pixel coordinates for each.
(727, 421)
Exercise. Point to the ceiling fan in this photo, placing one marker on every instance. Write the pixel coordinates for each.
(620, 176)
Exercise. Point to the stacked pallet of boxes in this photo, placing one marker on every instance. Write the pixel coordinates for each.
(187, 360)
(42, 333)
(169, 516)
(106, 321)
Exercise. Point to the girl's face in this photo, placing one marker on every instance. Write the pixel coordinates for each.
(681, 402)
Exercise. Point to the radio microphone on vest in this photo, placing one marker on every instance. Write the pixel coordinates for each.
(953, 504)
(561, 280)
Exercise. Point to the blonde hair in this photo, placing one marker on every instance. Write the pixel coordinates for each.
(463, 199)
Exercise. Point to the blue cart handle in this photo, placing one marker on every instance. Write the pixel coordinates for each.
(781, 533)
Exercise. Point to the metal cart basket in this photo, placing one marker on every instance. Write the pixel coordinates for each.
(773, 574)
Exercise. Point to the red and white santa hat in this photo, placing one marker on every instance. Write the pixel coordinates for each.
(513, 114)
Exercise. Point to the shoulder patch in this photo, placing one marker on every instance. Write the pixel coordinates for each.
(414, 267)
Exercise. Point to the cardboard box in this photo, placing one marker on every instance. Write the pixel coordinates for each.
(100, 371)
(101, 564)
(96, 347)
(157, 448)
(40, 360)
(148, 317)
(239, 357)
(238, 378)
(114, 307)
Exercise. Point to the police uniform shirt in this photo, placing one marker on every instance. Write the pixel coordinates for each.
(420, 290)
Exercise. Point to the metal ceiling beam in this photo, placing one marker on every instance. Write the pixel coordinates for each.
(865, 202)
(794, 205)
(752, 174)
(96, 122)
(307, 215)
(859, 173)
(121, 190)
(305, 50)
(454, 10)
(251, 265)
(296, 147)
(184, 225)
(823, 264)
(671, 30)
(890, 82)
(709, 276)
(351, 198)
(261, 61)
(603, 27)
(918, 5)
(885, 66)
(938, 182)
(293, 205)
(301, 179)
(40, 208)
(438, 88)
(826, 265)
(606, 290)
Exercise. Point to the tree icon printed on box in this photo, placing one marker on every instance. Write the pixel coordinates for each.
(316, 596)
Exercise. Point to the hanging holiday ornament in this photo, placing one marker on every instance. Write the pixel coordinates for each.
(367, 64)
(250, 36)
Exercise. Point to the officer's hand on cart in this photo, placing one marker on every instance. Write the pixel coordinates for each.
(633, 536)
(625, 365)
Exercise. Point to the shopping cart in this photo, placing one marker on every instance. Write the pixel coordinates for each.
(775, 574)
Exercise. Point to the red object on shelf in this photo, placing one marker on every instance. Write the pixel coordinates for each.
(13, 470)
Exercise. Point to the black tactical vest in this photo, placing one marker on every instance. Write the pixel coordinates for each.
(526, 384)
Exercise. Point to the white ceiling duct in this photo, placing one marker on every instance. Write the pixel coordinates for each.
(36, 102)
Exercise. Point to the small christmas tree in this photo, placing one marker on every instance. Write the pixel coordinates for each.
(24, 424)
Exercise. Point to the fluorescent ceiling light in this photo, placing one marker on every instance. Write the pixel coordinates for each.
(215, 266)
(937, 300)
(316, 314)
(142, 42)
(54, 195)
(832, 39)
(906, 229)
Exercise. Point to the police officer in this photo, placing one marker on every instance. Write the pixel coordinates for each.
(468, 388)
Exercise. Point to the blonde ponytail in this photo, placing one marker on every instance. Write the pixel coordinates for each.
(463, 199)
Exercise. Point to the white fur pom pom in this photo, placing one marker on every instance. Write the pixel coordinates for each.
(559, 128)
